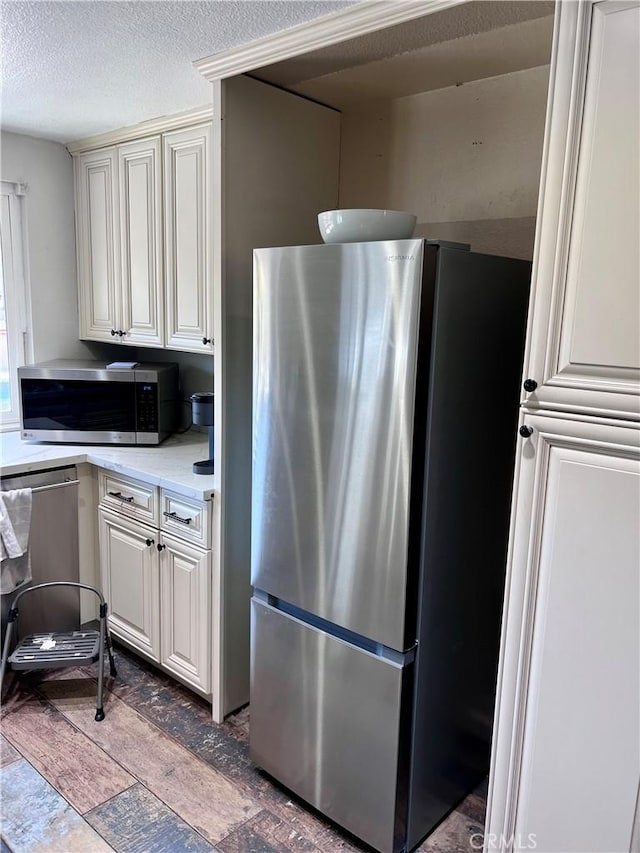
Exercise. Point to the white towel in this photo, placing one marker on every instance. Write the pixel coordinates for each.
(15, 525)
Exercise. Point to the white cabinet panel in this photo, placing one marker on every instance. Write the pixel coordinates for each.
(566, 746)
(602, 323)
(585, 327)
(141, 242)
(581, 727)
(187, 182)
(129, 565)
(96, 193)
(567, 750)
(185, 573)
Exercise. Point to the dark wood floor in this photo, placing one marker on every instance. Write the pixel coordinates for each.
(156, 776)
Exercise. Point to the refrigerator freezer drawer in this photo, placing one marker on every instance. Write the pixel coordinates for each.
(325, 721)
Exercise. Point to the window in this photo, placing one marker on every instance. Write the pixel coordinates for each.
(12, 301)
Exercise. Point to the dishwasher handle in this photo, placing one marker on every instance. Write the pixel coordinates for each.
(39, 489)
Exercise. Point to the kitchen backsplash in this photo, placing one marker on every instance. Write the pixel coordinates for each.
(196, 371)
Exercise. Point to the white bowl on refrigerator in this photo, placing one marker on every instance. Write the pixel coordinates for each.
(356, 225)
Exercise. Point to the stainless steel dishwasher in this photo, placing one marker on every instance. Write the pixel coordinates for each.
(53, 542)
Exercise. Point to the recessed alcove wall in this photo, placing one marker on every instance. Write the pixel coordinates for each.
(465, 159)
(444, 118)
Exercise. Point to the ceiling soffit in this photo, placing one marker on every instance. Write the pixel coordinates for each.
(441, 26)
(488, 54)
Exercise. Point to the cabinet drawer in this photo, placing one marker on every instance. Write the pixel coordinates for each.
(128, 496)
(186, 518)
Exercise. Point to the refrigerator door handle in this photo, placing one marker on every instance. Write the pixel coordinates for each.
(400, 657)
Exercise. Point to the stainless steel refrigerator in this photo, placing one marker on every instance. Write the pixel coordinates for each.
(385, 406)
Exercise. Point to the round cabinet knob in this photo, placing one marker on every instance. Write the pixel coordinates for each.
(529, 385)
(149, 542)
(160, 547)
(206, 341)
(121, 333)
(525, 431)
(113, 333)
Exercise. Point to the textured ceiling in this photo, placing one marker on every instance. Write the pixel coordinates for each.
(74, 69)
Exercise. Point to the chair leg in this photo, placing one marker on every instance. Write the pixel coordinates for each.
(99, 709)
(7, 645)
(112, 665)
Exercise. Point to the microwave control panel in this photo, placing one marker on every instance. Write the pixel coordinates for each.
(146, 407)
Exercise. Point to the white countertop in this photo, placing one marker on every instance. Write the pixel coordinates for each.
(169, 465)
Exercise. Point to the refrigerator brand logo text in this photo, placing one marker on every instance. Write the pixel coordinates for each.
(400, 257)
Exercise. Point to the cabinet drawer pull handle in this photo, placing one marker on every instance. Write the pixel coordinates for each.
(160, 547)
(121, 497)
(174, 517)
(148, 542)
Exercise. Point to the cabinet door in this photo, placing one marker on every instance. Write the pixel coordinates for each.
(129, 568)
(187, 179)
(185, 596)
(141, 242)
(566, 754)
(585, 322)
(96, 192)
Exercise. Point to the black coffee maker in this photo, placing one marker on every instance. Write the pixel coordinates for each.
(202, 414)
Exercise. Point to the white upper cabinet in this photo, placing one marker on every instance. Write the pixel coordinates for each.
(140, 180)
(96, 195)
(584, 353)
(143, 226)
(119, 243)
(187, 182)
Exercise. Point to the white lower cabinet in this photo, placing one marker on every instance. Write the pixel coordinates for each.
(185, 596)
(567, 742)
(129, 569)
(158, 586)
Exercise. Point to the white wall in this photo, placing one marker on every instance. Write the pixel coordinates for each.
(465, 159)
(47, 169)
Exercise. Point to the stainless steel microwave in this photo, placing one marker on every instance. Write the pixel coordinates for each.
(92, 402)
